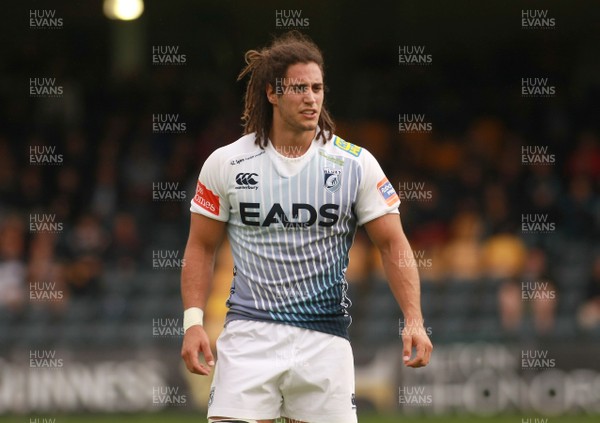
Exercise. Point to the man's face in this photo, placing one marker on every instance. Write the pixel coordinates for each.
(297, 98)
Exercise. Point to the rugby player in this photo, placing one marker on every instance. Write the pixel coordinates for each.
(289, 194)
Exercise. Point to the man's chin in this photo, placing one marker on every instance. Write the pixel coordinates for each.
(310, 126)
(305, 126)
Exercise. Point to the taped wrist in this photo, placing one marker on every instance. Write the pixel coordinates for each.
(191, 317)
(231, 421)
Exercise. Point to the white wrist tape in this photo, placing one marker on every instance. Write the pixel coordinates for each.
(191, 317)
(211, 420)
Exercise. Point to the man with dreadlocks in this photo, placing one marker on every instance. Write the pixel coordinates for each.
(290, 195)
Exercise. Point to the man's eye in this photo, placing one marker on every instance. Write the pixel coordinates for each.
(300, 89)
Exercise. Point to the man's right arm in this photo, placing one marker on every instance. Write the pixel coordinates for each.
(205, 237)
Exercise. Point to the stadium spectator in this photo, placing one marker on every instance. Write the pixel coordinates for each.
(585, 159)
(86, 245)
(532, 287)
(12, 265)
(461, 256)
(578, 208)
(503, 256)
(589, 312)
(105, 194)
(125, 242)
(45, 267)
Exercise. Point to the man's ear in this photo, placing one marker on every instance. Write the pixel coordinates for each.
(271, 95)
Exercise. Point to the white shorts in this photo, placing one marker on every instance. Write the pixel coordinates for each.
(269, 370)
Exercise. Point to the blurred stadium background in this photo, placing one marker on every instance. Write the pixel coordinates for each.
(105, 125)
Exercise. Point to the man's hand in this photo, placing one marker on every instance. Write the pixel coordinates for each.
(387, 234)
(416, 336)
(195, 341)
(205, 237)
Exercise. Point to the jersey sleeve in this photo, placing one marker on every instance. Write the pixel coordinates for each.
(211, 198)
(376, 195)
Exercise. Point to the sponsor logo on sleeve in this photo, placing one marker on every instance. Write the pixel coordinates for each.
(387, 192)
(206, 199)
(348, 147)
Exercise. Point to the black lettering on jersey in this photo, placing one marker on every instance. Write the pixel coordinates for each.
(245, 214)
(324, 212)
(249, 214)
(276, 215)
(296, 207)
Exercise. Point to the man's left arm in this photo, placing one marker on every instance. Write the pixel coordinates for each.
(388, 236)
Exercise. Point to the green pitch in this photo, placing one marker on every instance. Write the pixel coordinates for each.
(363, 418)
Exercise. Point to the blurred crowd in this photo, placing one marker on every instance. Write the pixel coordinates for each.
(466, 226)
(95, 208)
(470, 219)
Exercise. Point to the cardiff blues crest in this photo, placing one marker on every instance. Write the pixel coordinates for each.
(332, 179)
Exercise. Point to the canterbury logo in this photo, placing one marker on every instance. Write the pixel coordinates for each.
(246, 179)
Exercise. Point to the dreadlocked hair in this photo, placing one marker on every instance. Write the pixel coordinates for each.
(264, 67)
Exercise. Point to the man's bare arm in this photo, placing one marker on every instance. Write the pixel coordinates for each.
(196, 280)
(388, 236)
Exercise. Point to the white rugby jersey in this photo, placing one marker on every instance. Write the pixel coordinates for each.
(291, 222)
